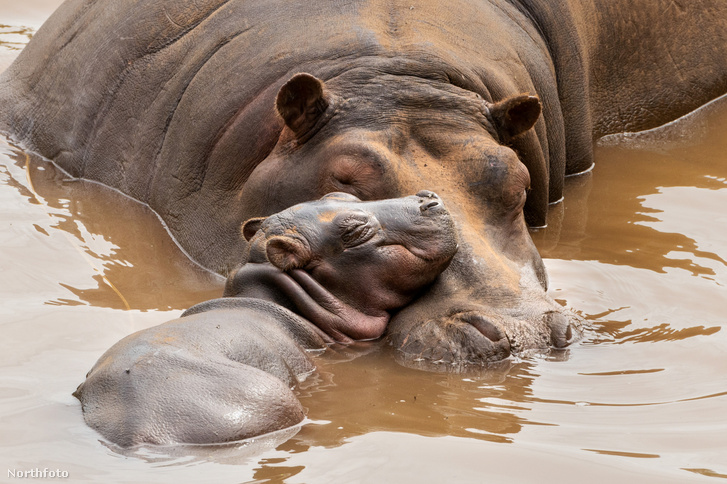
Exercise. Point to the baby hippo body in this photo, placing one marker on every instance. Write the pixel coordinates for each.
(322, 272)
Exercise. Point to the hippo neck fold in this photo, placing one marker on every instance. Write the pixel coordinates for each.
(298, 291)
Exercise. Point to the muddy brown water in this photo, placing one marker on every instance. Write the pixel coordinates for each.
(638, 247)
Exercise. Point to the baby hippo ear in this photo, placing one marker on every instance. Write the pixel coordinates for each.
(250, 228)
(301, 101)
(287, 253)
(515, 115)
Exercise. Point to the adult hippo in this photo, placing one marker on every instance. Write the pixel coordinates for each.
(200, 110)
(318, 273)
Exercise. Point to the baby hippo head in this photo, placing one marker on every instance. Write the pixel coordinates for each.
(371, 255)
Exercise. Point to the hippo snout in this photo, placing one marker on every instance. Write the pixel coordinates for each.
(478, 335)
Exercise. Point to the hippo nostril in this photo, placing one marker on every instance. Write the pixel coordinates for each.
(561, 332)
(427, 194)
(484, 326)
(429, 205)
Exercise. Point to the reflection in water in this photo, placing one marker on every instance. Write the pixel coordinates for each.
(236, 453)
(138, 266)
(482, 405)
(625, 454)
(649, 203)
(656, 205)
(14, 37)
(620, 219)
(707, 473)
(12, 40)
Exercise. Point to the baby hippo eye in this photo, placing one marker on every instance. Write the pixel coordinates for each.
(356, 229)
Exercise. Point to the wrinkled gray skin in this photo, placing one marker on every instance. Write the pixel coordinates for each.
(195, 108)
(323, 272)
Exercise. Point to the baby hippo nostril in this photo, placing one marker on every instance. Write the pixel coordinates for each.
(426, 206)
(427, 194)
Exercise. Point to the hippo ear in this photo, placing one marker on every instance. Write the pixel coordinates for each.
(287, 253)
(301, 101)
(515, 115)
(250, 228)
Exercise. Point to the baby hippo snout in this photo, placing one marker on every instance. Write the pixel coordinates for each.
(429, 201)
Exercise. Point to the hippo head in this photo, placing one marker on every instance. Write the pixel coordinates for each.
(379, 135)
(374, 257)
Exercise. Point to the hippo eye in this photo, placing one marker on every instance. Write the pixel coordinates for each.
(355, 230)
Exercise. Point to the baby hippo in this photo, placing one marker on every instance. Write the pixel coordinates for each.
(322, 272)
